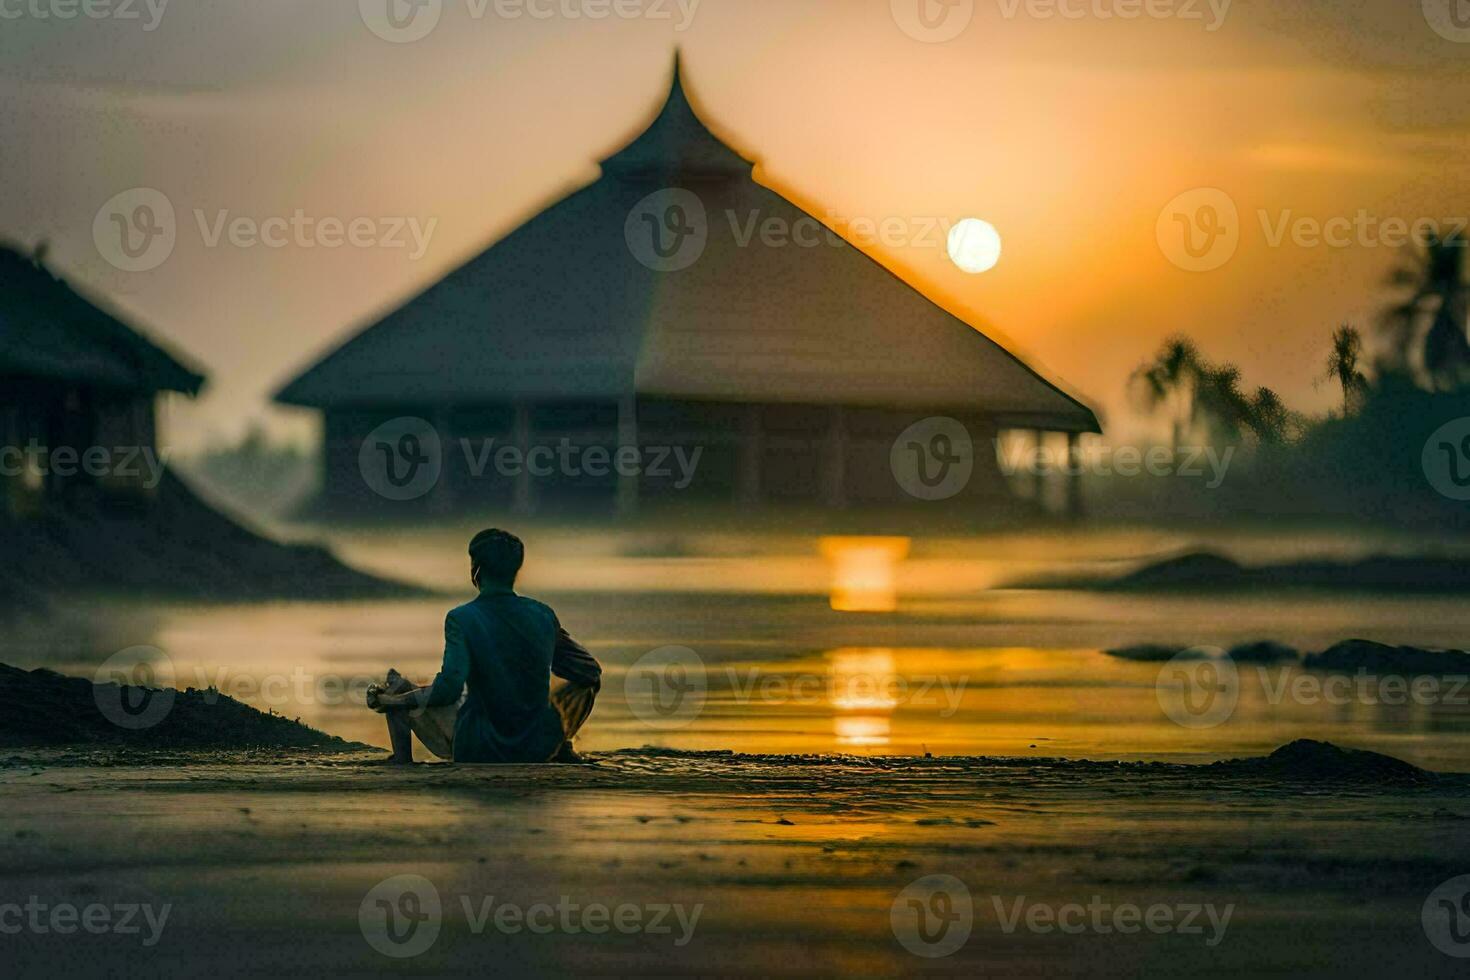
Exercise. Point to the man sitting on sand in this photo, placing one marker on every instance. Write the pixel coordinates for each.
(505, 649)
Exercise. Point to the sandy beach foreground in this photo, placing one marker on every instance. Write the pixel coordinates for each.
(659, 862)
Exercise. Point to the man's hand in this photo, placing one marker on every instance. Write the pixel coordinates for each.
(380, 700)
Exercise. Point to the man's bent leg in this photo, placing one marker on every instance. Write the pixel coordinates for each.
(401, 735)
(400, 730)
(573, 702)
(433, 726)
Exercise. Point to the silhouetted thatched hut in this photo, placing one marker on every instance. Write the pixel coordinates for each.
(85, 498)
(74, 380)
(640, 311)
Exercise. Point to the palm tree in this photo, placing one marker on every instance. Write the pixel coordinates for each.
(1436, 290)
(1222, 402)
(1172, 377)
(1269, 417)
(1342, 366)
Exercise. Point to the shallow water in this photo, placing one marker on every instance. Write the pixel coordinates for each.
(733, 642)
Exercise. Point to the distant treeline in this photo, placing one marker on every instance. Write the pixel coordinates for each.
(1374, 458)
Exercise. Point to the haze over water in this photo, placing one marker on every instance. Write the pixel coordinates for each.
(951, 663)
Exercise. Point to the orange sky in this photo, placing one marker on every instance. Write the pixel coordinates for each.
(1069, 134)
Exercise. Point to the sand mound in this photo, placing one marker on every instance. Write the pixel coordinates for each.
(1205, 570)
(41, 708)
(1259, 652)
(1322, 762)
(175, 546)
(1351, 656)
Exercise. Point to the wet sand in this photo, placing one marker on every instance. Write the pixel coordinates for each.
(795, 862)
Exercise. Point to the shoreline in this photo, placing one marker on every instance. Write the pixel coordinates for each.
(794, 863)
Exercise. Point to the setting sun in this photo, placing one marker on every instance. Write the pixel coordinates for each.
(974, 245)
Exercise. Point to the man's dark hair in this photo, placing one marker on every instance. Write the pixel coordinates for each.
(495, 558)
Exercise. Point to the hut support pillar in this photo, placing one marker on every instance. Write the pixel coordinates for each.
(522, 499)
(441, 498)
(1074, 476)
(751, 452)
(834, 459)
(627, 437)
(1038, 470)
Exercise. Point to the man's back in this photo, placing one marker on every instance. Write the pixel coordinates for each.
(505, 649)
(501, 646)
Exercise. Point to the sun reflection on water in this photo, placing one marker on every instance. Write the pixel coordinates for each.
(864, 571)
(862, 685)
(861, 730)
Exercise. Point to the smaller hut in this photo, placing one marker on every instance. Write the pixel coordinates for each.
(78, 389)
(85, 497)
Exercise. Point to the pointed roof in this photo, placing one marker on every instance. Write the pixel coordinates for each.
(562, 308)
(677, 142)
(48, 330)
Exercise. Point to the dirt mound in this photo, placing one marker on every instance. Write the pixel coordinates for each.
(1263, 652)
(1259, 652)
(1147, 652)
(1351, 656)
(173, 546)
(1208, 570)
(41, 708)
(1322, 762)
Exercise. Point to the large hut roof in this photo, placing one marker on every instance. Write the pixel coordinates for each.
(49, 331)
(561, 308)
